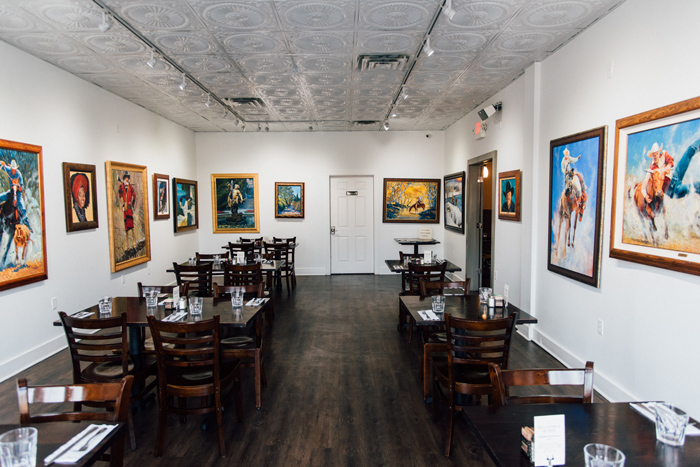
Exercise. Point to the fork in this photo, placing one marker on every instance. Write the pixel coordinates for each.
(95, 434)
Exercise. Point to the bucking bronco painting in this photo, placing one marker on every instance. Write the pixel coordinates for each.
(576, 179)
(22, 230)
(657, 188)
(412, 200)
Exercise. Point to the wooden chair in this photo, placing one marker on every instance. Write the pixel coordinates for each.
(113, 395)
(199, 277)
(105, 358)
(257, 243)
(192, 369)
(404, 274)
(184, 288)
(210, 256)
(248, 249)
(244, 274)
(503, 380)
(291, 271)
(245, 347)
(435, 341)
(280, 252)
(471, 346)
(416, 273)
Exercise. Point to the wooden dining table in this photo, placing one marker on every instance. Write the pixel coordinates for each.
(614, 424)
(51, 436)
(271, 269)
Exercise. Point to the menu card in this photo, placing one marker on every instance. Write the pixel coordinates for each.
(550, 440)
(176, 295)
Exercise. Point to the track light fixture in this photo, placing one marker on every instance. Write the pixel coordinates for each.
(448, 10)
(236, 121)
(243, 127)
(106, 23)
(259, 127)
(404, 94)
(225, 114)
(183, 85)
(267, 127)
(393, 113)
(311, 127)
(427, 49)
(385, 127)
(153, 60)
(208, 102)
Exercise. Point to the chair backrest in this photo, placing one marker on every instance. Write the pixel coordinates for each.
(290, 253)
(109, 346)
(199, 277)
(478, 342)
(255, 289)
(502, 380)
(184, 288)
(428, 272)
(243, 274)
(210, 256)
(403, 255)
(186, 347)
(278, 250)
(248, 248)
(438, 288)
(257, 243)
(115, 395)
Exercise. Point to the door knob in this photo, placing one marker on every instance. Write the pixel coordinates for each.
(332, 230)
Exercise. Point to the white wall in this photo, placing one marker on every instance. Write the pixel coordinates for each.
(312, 158)
(650, 314)
(75, 121)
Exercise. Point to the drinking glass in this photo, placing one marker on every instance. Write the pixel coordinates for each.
(602, 455)
(151, 294)
(105, 305)
(18, 447)
(484, 294)
(237, 299)
(670, 424)
(438, 303)
(217, 261)
(192, 261)
(258, 258)
(196, 305)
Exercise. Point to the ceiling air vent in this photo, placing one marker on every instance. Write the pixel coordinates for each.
(244, 101)
(363, 123)
(382, 62)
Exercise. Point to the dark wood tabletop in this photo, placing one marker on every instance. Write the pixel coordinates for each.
(415, 242)
(266, 266)
(53, 435)
(461, 307)
(614, 424)
(395, 265)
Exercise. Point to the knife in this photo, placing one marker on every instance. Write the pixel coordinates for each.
(66, 447)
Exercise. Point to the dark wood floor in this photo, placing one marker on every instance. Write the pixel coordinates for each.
(342, 390)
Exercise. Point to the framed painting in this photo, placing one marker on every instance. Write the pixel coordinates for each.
(453, 190)
(509, 197)
(412, 200)
(656, 188)
(127, 206)
(235, 203)
(576, 193)
(22, 225)
(289, 200)
(186, 203)
(80, 196)
(161, 196)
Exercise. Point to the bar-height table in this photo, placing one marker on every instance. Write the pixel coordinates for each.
(415, 242)
(614, 424)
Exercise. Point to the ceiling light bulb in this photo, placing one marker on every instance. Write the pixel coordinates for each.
(208, 102)
(183, 85)
(106, 22)
(152, 62)
(427, 49)
(485, 172)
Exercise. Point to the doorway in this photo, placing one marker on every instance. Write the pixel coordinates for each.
(352, 225)
(480, 220)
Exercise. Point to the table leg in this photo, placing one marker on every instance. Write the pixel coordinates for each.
(415, 249)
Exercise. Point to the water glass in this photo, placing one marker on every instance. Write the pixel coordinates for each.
(438, 303)
(196, 305)
(217, 261)
(192, 261)
(602, 455)
(670, 424)
(484, 294)
(237, 298)
(258, 258)
(18, 447)
(105, 305)
(151, 294)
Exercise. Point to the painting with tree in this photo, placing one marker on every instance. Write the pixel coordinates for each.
(412, 200)
(235, 203)
(289, 200)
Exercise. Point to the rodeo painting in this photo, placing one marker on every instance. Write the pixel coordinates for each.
(22, 241)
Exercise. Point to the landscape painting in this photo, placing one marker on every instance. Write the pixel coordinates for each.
(22, 229)
(289, 200)
(235, 203)
(454, 202)
(412, 200)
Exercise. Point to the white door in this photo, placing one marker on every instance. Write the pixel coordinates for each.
(352, 225)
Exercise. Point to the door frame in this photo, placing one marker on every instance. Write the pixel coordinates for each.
(473, 216)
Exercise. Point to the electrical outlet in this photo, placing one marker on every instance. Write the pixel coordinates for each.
(600, 327)
(54, 303)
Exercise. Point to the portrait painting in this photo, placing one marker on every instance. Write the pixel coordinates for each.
(576, 192)
(412, 200)
(22, 225)
(509, 195)
(186, 200)
(161, 196)
(235, 203)
(127, 205)
(454, 202)
(656, 196)
(80, 196)
(289, 200)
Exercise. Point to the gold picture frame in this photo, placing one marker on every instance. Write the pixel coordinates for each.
(234, 203)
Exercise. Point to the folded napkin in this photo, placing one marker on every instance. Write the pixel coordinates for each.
(428, 315)
(398, 266)
(647, 409)
(79, 445)
(175, 316)
(82, 314)
(256, 302)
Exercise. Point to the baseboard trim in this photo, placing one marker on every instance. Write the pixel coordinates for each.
(10, 368)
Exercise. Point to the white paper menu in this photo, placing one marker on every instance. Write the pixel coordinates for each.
(550, 440)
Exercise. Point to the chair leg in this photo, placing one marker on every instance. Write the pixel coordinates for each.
(425, 360)
(220, 427)
(116, 453)
(410, 329)
(238, 398)
(258, 379)
(132, 435)
(162, 423)
(436, 401)
(450, 421)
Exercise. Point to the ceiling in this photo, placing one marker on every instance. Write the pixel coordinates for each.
(299, 58)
